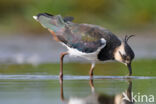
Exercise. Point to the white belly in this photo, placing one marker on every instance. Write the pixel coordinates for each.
(89, 56)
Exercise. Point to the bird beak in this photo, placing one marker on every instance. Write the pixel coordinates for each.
(129, 68)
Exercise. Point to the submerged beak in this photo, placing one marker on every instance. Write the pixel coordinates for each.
(129, 68)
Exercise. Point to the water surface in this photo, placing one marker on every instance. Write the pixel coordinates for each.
(50, 91)
(40, 84)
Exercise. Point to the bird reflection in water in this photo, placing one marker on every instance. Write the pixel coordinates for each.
(96, 98)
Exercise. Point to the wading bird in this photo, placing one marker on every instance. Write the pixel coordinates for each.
(88, 41)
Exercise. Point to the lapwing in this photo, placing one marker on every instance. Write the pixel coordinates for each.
(88, 41)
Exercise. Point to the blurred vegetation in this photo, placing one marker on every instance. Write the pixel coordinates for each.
(16, 15)
(140, 68)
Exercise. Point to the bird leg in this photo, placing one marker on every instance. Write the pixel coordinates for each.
(91, 70)
(61, 63)
(61, 90)
(91, 83)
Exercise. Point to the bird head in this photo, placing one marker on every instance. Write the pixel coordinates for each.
(124, 53)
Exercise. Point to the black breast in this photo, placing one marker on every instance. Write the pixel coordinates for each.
(111, 43)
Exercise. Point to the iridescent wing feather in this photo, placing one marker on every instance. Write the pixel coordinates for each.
(83, 37)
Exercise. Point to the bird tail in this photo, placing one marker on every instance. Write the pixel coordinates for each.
(51, 22)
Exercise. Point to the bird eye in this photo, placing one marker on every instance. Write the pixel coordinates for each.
(123, 56)
(128, 58)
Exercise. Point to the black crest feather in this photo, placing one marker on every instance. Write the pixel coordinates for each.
(128, 37)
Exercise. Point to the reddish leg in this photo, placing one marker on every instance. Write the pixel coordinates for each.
(61, 90)
(61, 63)
(91, 70)
(91, 85)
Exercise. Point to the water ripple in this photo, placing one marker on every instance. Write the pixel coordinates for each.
(68, 77)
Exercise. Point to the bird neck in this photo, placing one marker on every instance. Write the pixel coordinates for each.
(105, 54)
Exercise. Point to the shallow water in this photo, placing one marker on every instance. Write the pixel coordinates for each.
(77, 91)
(28, 84)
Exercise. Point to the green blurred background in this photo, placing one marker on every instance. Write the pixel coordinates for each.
(128, 15)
